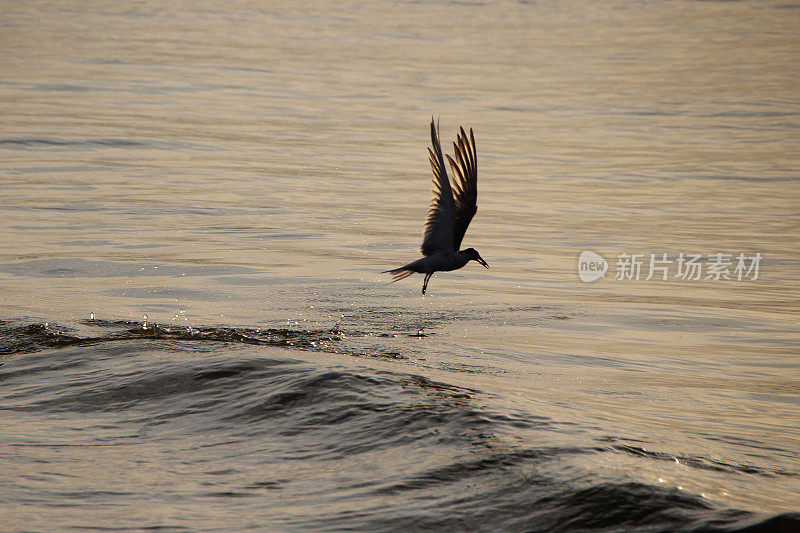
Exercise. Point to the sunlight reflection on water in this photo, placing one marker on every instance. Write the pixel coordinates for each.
(260, 165)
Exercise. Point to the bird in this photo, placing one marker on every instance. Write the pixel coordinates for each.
(450, 211)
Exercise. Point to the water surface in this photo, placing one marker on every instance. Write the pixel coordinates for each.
(241, 174)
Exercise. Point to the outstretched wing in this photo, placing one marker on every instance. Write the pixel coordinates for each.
(465, 184)
(439, 225)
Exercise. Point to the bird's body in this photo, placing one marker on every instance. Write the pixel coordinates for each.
(450, 213)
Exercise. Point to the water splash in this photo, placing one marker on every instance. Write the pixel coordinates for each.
(420, 333)
(335, 329)
(182, 315)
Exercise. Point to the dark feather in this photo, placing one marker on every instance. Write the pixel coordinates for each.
(465, 184)
(439, 224)
(399, 273)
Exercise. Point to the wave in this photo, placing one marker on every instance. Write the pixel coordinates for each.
(28, 143)
(143, 413)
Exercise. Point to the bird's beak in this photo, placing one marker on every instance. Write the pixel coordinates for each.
(481, 261)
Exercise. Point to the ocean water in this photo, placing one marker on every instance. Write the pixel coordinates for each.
(197, 200)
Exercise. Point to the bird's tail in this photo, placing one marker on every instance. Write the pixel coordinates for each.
(398, 273)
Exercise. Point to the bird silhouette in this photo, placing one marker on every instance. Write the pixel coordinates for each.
(450, 211)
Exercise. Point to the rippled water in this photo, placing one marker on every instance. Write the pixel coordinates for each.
(197, 200)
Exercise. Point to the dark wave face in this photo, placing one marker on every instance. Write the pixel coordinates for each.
(224, 429)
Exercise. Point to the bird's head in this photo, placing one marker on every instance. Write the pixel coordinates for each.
(473, 255)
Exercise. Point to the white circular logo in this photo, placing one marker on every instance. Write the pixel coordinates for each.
(591, 266)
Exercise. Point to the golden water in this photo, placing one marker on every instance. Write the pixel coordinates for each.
(260, 163)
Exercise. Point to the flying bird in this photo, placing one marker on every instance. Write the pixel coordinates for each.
(450, 211)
